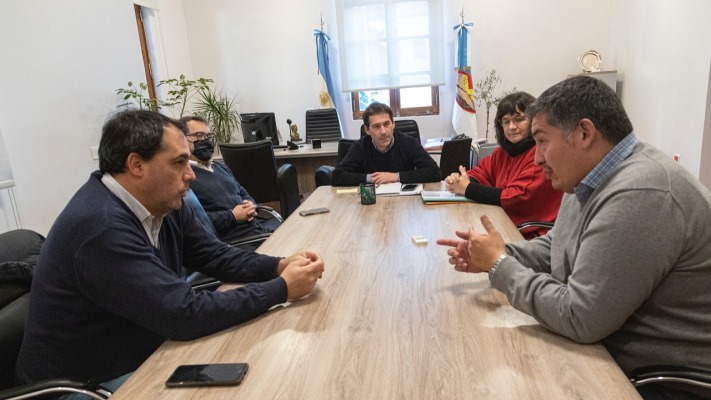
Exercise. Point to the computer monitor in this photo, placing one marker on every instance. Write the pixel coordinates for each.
(259, 126)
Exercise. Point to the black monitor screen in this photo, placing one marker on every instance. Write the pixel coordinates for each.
(259, 126)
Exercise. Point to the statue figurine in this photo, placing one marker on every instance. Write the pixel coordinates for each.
(294, 131)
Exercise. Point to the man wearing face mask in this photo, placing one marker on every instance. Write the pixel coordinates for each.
(230, 208)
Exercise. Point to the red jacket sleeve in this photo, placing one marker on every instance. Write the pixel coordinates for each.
(526, 193)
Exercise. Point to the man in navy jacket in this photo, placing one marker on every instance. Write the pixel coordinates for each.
(108, 286)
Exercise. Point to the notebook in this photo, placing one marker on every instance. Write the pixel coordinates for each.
(398, 189)
(443, 197)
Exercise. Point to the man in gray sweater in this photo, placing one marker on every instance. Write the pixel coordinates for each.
(628, 262)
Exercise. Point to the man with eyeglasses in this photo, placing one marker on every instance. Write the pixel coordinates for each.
(229, 206)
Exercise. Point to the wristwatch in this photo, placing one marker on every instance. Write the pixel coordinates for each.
(496, 264)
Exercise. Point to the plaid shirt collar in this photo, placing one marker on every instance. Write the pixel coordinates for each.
(604, 168)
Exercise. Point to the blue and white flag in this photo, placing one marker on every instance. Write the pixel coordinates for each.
(326, 92)
(464, 114)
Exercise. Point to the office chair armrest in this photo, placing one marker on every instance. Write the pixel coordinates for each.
(672, 374)
(200, 281)
(537, 224)
(55, 386)
(271, 211)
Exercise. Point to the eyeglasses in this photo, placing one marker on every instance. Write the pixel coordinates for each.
(517, 120)
(199, 136)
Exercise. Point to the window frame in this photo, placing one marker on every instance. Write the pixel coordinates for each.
(399, 111)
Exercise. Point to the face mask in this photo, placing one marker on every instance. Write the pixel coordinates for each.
(203, 149)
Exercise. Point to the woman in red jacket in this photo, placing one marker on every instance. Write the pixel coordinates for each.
(509, 177)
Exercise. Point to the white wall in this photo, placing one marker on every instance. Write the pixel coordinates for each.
(61, 63)
(261, 51)
(663, 51)
(264, 51)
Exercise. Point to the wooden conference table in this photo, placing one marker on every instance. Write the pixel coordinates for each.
(389, 320)
(307, 160)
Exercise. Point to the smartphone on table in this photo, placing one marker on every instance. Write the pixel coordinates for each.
(314, 211)
(408, 187)
(207, 375)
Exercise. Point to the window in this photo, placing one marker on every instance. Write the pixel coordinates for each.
(392, 51)
(404, 102)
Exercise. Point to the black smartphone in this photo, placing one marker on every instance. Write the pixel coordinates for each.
(408, 187)
(208, 375)
(313, 211)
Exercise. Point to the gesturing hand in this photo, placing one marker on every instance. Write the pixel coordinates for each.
(474, 252)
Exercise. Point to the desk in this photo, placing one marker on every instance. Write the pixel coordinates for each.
(389, 320)
(307, 160)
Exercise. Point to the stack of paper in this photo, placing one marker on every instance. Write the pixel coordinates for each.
(443, 197)
(434, 144)
(398, 189)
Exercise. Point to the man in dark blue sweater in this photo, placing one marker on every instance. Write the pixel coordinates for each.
(108, 286)
(383, 156)
(231, 209)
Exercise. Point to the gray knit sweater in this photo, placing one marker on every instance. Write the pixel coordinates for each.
(630, 268)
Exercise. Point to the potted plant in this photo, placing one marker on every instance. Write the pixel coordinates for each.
(220, 111)
(135, 95)
(180, 91)
(485, 91)
(212, 104)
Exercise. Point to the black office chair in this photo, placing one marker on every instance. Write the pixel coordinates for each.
(324, 172)
(254, 166)
(408, 127)
(18, 255)
(405, 126)
(692, 380)
(323, 124)
(455, 152)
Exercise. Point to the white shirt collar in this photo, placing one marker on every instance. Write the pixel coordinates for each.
(150, 223)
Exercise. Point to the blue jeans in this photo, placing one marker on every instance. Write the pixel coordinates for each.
(111, 385)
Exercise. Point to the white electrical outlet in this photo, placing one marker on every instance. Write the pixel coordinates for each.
(94, 152)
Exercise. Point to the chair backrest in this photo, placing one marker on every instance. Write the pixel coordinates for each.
(20, 246)
(408, 127)
(323, 124)
(405, 126)
(343, 146)
(254, 167)
(484, 151)
(455, 153)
